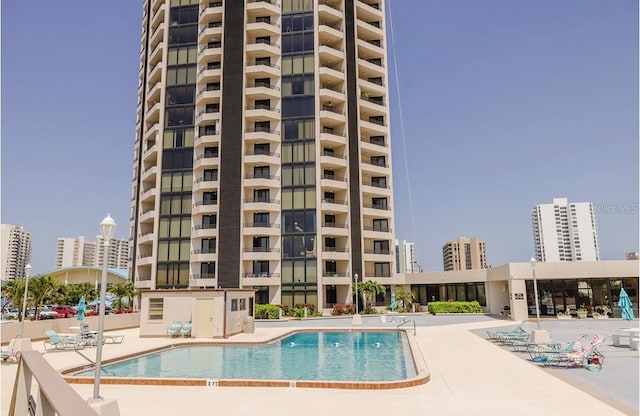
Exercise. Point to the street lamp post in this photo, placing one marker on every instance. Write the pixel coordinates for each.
(27, 272)
(357, 319)
(356, 289)
(107, 230)
(535, 289)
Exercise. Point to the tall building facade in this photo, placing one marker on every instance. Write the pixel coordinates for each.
(75, 251)
(15, 244)
(464, 254)
(406, 257)
(262, 158)
(564, 231)
(80, 252)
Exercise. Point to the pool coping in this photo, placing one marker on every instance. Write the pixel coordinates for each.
(422, 373)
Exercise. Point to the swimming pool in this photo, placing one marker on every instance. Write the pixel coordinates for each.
(310, 356)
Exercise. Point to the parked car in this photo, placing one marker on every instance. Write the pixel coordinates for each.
(96, 309)
(10, 313)
(65, 311)
(45, 313)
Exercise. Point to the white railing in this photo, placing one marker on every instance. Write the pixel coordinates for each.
(55, 396)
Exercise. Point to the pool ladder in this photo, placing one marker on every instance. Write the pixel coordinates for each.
(406, 322)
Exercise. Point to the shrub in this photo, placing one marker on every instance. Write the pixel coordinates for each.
(454, 307)
(267, 312)
(342, 309)
(311, 308)
(370, 311)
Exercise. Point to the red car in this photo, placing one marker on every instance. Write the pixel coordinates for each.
(65, 311)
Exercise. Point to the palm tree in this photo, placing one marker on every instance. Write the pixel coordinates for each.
(124, 293)
(405, 297)
(42, 290)
(79, 290)
(13, 291)
(369, 290)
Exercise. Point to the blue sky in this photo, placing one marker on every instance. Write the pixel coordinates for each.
(505, 104)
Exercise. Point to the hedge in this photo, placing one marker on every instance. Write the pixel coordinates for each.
(454, 307)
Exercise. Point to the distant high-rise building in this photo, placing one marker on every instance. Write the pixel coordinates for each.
(15, 254)
(406, 257)
(262, 157)
(80, 252)
(564, 231)
(75, 251)
(464, 254)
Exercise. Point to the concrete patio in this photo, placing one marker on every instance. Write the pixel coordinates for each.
(469, 375)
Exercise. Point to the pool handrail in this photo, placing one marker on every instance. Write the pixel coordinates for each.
(406, 322)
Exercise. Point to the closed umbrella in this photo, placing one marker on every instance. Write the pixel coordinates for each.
(625, 306)
(81, 307)
(394, 305)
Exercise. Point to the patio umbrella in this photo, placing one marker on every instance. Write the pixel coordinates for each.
(81, 307)
(625, 306)
(394, 305)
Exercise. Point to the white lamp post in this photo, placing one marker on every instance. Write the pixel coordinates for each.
(107, 230)
(356, 289)
(357, 319)
(27, 272)
(535, 289)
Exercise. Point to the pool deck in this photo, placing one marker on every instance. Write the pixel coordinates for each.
(469, 375)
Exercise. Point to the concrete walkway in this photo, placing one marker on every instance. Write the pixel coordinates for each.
(469, 375)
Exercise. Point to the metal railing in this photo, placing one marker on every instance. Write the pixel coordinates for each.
(407, 322)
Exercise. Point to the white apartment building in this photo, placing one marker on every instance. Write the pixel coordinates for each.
(262, 157)
(406, 257)
(77, 251)
(15, 254)
(564, 231)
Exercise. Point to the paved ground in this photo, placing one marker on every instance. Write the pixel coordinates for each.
(469, 375)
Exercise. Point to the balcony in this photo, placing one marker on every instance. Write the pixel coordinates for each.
(204, 207)
(268, 7)
(263, 89)
(262, 134)
(203, 280)
(262, 69)
(262, 113)
(204, 231)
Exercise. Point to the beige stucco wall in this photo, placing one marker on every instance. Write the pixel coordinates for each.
(35, 329)
(180, 305)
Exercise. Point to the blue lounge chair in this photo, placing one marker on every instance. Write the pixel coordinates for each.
(186, 330)
(497, 335)
(174, 330)
(60, 343)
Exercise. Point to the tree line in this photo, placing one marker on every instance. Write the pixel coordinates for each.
(45, 290)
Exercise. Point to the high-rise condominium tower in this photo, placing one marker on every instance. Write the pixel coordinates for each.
(80, 252)
(262, 157)
(406, 257)
(564, 231)
(464, 254)
(15, 243)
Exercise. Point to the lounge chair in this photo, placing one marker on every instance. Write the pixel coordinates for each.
(174, 330)
(10, 354)
(186, 330)
(578, 359)
(539, 351)
(92, 336)
(61, 343)
(496, 335)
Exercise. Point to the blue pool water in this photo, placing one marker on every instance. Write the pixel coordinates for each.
(330, 356)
